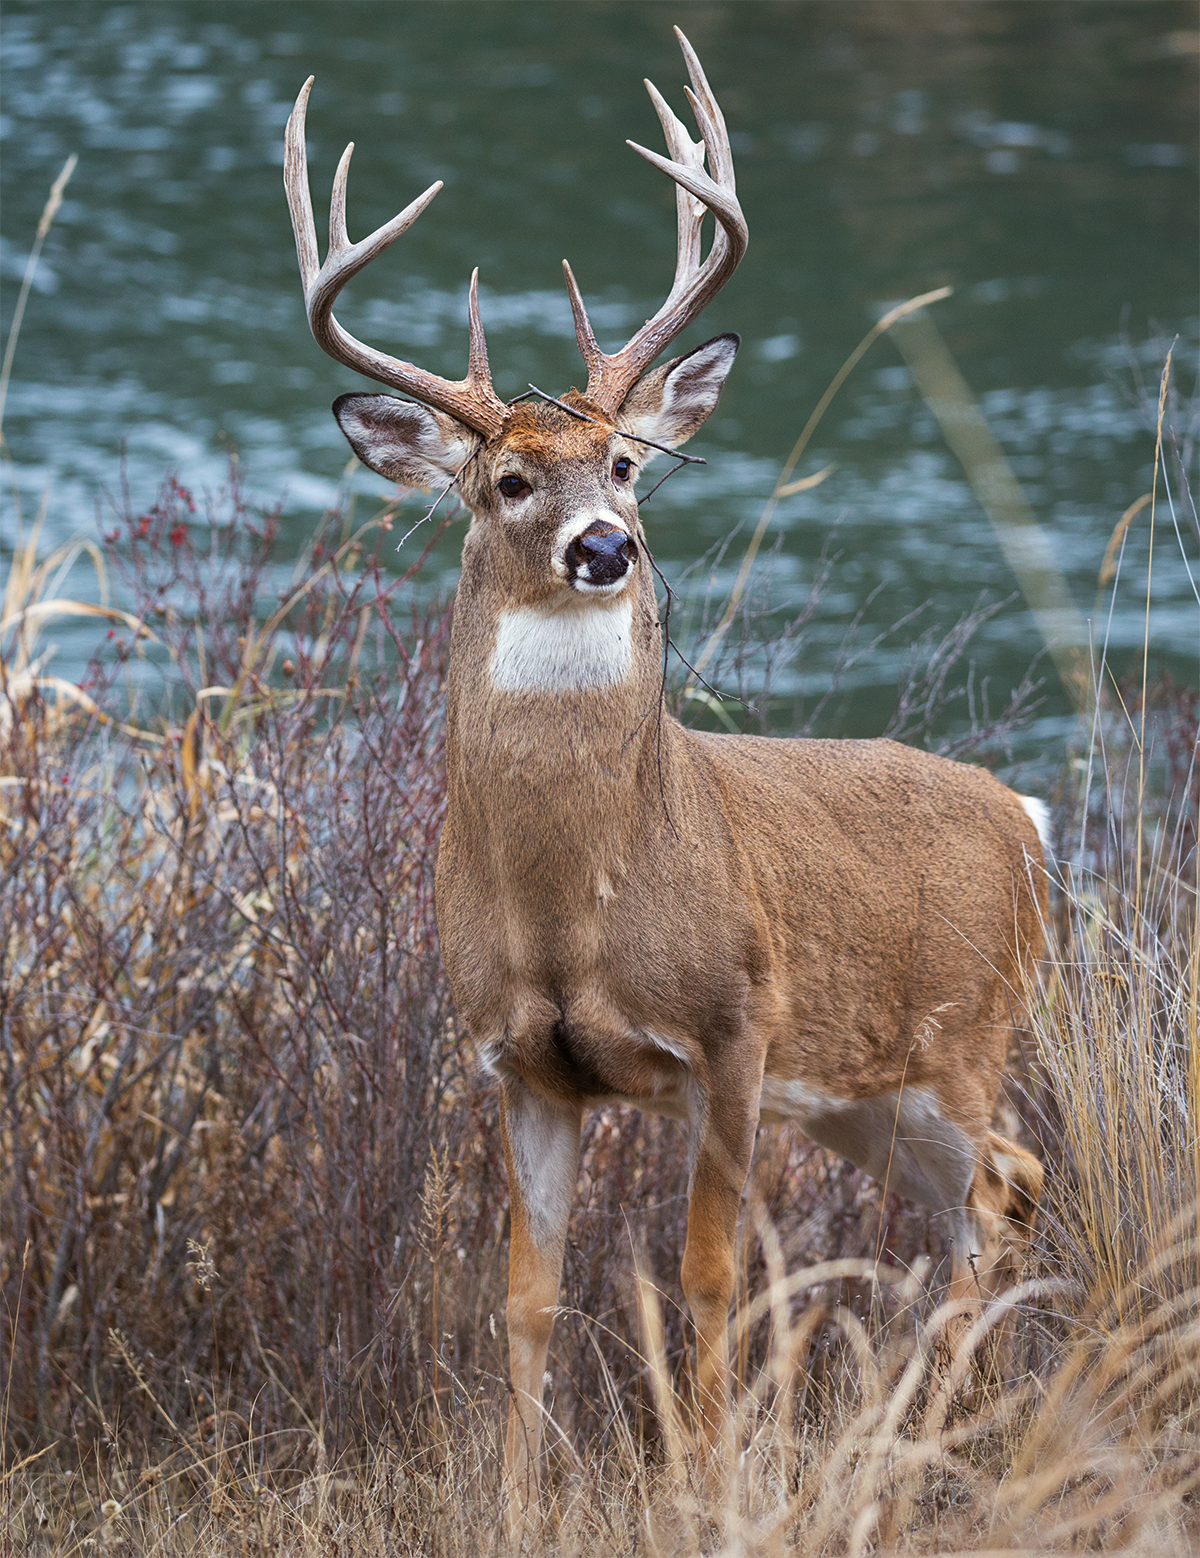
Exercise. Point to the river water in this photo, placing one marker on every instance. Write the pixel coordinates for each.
(1039, 158)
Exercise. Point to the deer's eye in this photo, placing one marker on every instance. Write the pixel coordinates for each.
(622, 470)
(513, 486)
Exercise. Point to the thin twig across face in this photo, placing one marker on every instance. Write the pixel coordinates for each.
(582, 416)
(428, 514)
(683, 460)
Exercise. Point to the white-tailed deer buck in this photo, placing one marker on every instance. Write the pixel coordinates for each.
(721, 928)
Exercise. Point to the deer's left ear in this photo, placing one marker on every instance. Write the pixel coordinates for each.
(668, 404)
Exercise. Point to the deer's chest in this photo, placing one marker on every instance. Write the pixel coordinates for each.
(591, 1001)
(587, 954)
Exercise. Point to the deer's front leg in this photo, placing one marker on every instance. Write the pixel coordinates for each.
(541, 1154)
(723, 1125)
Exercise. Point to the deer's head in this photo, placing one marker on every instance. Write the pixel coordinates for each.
(550, 485)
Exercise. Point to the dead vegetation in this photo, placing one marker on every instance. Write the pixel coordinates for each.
(253, 1215)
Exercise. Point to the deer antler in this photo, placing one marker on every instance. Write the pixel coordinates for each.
(610, 378)
(472, 400)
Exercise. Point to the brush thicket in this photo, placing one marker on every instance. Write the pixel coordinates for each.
(253, 1217)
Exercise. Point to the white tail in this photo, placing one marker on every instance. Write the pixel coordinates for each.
(723, 928)
(1039, 815)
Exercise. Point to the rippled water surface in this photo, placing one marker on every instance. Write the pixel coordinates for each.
(1039, 158)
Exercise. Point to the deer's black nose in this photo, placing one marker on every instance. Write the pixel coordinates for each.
(614, 544)
(601, 555)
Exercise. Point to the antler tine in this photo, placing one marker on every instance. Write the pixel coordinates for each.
(295, 183)
(339, 238)
(706, 108)
(477, 357)
(696, 283)
(472, 400)
(689, 211)
(594, 359)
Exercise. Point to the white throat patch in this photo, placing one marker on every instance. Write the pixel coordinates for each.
(563, 651)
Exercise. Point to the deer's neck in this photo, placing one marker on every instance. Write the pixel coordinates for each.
(554, 711)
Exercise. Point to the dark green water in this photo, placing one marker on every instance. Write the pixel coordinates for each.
(1039, 157)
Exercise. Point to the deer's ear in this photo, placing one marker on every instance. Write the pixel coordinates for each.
(404, 441)
(668, 404)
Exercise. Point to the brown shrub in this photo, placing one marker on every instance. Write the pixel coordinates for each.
(226, 1030)
(252, 1209)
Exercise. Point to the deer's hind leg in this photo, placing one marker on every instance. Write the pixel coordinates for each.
(986, 1187)
(996, 1228)
(990, 1237)
(1003, 1202)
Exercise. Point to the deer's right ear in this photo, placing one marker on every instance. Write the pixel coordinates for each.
(404, 441)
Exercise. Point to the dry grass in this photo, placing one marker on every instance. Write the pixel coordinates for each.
(253, 1216)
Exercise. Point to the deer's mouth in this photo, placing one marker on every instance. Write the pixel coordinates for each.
(599, 559)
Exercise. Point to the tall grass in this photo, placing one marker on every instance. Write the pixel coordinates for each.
(252, 1211)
